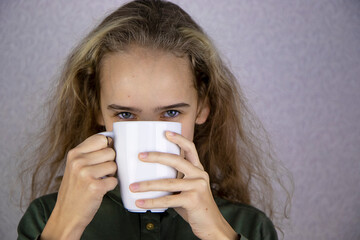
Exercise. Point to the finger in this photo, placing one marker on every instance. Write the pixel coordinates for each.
(108, 183)
(168, 185)
(110, 142)
(171, 160)
(103, 155)
(173, 201)
(187, 146)
(99, 170)
(93, 143)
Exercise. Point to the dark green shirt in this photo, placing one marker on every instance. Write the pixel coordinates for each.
(113, 221)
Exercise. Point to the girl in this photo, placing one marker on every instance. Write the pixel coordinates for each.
(150, 61)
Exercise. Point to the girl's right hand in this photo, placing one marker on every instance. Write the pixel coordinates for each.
(86, 180)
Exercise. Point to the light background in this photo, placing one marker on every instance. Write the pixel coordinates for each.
(298, 62)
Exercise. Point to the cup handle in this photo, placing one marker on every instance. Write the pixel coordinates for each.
(107, 134)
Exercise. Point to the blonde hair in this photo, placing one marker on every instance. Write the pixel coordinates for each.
(231, 144)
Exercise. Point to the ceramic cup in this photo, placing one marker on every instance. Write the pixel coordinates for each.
(130, 139)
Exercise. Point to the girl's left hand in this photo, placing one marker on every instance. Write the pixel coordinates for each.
(194, 202)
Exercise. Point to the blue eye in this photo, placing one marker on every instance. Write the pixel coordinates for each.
(126, 115)
(171, 113)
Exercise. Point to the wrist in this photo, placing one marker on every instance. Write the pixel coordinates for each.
(57, 227)
(226, 231)
(229, 235)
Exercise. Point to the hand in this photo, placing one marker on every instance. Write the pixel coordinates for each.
(82, 188)
(195, 202)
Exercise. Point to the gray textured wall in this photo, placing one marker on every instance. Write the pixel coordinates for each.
(299, 62)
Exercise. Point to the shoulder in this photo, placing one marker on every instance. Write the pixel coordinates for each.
(247, 220)
(47, 201)
(35, 217)
(45, 204)
(42, 205)
(239, 208)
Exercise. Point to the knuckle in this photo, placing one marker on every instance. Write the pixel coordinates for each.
(76, 164)
(202, 184)
(109, 183)
(113, 166)
(205, 176)
(154, 154)
(192, 145)
(104, 139)
(83, 173)
(94, 187)
(166, 201)
(170, 181)
(146, 184)
(150, 202)
(99, 138)
(72, 154)
(113, 182)
(111, 153)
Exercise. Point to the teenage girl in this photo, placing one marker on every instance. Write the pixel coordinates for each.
(149, 61)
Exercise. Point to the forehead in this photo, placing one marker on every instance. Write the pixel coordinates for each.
(141, 74)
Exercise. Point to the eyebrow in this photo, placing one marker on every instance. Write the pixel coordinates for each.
(157, 109)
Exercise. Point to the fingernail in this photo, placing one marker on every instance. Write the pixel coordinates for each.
(143, 155)
(134, 186)
(140, 202)
(170, 134)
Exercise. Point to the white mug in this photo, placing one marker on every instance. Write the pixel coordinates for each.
(130, 139)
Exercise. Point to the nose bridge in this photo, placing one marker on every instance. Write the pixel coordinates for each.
(148, 115)
(148, 119)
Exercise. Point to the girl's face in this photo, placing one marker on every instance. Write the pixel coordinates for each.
(142, 84)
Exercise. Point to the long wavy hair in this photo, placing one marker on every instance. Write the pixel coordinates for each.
(232, 144)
